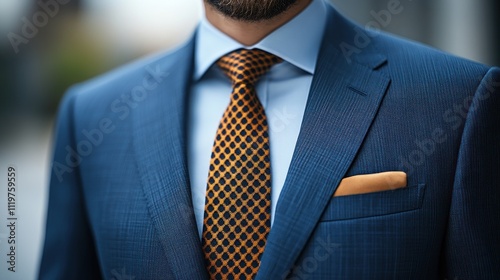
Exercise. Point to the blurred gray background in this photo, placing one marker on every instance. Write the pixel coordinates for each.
(83, 38)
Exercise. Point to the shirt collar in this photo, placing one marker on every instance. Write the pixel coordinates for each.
(297, 42)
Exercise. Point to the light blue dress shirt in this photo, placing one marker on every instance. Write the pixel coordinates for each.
(283, 92)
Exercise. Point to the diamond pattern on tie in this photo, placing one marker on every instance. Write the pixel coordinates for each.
(237, 216)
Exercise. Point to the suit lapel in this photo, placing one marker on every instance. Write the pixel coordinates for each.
(343, 101)
(160, 148)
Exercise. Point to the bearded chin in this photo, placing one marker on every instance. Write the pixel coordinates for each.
(251, 10)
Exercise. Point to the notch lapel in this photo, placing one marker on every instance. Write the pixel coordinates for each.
(160, 148)
(342, 104)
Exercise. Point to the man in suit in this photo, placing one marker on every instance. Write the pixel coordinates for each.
(344, 153)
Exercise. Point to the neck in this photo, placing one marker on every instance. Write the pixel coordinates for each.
(249, 33)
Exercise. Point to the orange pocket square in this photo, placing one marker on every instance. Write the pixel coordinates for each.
(368, 183)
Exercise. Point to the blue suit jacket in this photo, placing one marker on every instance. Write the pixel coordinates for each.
(120, 203)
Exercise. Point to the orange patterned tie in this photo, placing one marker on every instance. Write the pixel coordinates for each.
(237, 215)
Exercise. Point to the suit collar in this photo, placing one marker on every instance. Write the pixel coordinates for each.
(159, 141)
(343, 101)
(307, 28)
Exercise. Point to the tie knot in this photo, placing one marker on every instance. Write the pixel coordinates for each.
(247, 66)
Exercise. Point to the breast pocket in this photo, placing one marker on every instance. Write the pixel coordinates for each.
(374, 204)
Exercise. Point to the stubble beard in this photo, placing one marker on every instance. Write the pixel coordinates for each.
(251, 10)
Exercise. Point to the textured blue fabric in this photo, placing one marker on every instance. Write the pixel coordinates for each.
(377, 103)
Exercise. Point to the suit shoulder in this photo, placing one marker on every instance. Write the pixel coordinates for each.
(111, 85)
(104, 96)
(422, 71)
(414, 55)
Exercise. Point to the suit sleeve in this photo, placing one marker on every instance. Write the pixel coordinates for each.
(69, 251)
(472, 247)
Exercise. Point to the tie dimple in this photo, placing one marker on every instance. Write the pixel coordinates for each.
(237, 217)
